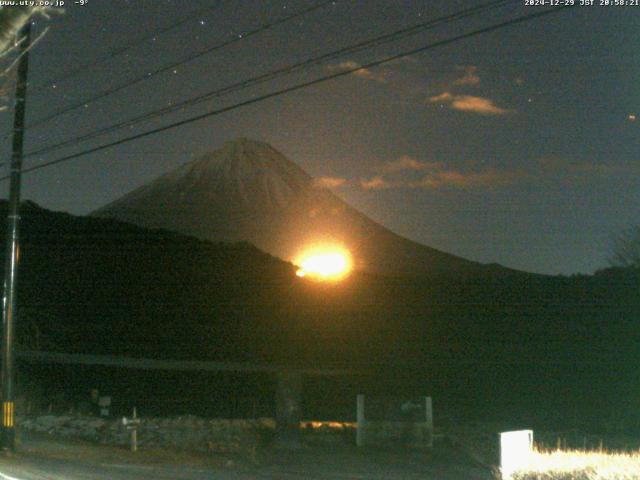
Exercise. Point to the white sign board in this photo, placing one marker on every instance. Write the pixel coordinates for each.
(515, 451)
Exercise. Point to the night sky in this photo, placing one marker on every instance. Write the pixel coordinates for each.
(518, 146)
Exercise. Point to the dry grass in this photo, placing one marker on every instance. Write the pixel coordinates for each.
(580, 465)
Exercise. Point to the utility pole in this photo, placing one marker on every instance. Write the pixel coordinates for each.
(12, 255)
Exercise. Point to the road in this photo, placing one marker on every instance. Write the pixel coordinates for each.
(32, 468)
(61, 460)
(56, 469)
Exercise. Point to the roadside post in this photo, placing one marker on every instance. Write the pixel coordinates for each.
(104, 403)
(288, 409)
(360, 421)
(132, 425)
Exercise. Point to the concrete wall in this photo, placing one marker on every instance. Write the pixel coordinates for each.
(219, 435)
(185, 432)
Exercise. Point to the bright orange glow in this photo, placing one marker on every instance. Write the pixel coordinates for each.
(329, 263)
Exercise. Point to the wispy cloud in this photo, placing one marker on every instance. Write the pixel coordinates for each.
(377, 183)
(364, 73)
(469, 103)
(484, 106)
(464, 102)
(407, 172)
(470, 77)
(444, 97)
(329, 182)
(406, 162)
(409, 77)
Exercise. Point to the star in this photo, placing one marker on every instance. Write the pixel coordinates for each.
(631, 117)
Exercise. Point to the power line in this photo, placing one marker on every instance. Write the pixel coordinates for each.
(124, 48)
(299, 86)
(367, 44)
(175, 65)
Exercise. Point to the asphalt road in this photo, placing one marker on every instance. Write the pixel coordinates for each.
(29, 468)
(62, 460)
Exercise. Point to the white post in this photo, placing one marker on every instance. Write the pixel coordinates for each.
(134, 432)
(428, 410)
(360, 436)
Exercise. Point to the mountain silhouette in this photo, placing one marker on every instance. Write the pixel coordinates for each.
(248, 191)
(100, 286)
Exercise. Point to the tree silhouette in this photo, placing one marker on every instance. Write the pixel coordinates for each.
(626, 248)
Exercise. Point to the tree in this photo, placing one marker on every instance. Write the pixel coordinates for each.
(626, 248)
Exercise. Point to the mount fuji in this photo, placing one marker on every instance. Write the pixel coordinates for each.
(248, 191)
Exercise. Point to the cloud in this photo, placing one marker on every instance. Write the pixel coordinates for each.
(483, 106)
(408, 76)
(469, 103)
(377, 183)
(329, 182)
(455, 179)
(406, 162)
(444, 97)
(470, 77)
(409, 173)
(377, 76)
(435, 175)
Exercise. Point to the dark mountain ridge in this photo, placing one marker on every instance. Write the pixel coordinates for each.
(92, 285)
(248, 191)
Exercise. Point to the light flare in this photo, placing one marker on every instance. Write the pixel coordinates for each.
(328, 263)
